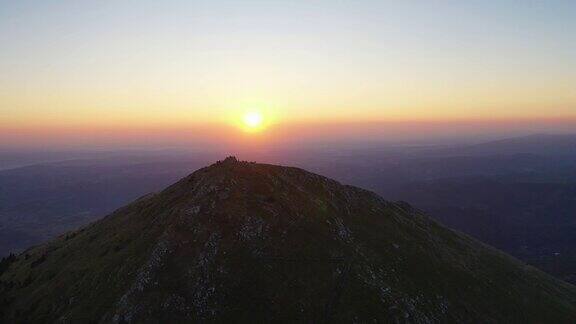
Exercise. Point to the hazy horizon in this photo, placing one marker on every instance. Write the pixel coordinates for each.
(288, 136)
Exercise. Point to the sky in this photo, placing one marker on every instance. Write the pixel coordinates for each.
(118, 70)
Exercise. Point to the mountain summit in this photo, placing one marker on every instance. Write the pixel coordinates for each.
(246, 242)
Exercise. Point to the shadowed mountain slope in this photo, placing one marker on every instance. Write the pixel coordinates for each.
(248, 242)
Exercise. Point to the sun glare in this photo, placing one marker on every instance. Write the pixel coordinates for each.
(252, 121)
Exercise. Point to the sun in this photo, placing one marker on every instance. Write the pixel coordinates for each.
(252, 120)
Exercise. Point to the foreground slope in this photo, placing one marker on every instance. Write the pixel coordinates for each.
(248, 242)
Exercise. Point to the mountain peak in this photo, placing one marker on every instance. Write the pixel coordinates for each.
(241, 241)
(228, 160)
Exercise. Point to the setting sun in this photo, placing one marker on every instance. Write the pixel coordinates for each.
(253, 121)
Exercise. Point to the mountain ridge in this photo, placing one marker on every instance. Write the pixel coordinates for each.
(252, 242)
(537, 144)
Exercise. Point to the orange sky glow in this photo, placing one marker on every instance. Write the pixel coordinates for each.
(140, 72)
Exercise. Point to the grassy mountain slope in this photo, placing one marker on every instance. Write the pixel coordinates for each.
(248, 242)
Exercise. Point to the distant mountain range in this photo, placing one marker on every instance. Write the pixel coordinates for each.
(247, 242)
(542, 144)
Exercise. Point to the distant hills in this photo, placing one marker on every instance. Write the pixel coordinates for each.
(247, 242)
(541, 144)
